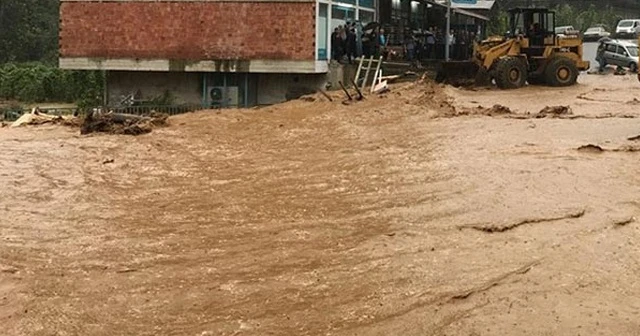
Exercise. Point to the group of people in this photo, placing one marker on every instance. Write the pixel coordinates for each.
(344, 43)
(431, 44)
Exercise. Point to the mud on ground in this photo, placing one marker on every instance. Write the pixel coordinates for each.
(415, 213)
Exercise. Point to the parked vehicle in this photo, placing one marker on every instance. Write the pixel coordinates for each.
(628, 28)
(595, 33)
(621, 53)
(566, 31)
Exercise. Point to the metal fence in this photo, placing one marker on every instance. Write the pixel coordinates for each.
(14, 114)
(147, 109)
(10, 115)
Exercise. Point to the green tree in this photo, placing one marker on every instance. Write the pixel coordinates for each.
(28, 30)
(39, 82)
(499, 24)
(29, 53)
(565, 15)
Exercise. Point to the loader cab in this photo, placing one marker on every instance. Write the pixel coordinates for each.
(537, 25)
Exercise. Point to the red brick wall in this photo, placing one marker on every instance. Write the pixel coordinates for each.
(188, 30)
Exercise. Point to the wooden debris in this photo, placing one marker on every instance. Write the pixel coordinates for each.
(120, 123)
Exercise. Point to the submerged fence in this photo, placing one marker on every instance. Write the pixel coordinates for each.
(13, 114)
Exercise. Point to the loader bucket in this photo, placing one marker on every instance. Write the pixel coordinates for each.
(461, 73)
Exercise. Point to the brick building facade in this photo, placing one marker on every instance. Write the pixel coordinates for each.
(214, 52)
(188, 30)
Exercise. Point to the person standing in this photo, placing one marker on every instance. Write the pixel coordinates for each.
(410, 48)
(463, 39)
(369, 42)
(343, 40)
(335, 44)
(382, 44)
(351, 43)
(602, 47)
(431, 43)
(452, 43)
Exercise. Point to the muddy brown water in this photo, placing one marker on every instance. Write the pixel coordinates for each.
(316, 218)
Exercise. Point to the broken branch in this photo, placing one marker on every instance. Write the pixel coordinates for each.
(493, 282)
(509, 226)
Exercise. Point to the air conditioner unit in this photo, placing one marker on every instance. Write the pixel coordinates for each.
(220, 96)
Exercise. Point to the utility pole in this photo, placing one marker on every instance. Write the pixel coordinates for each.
(447, 32)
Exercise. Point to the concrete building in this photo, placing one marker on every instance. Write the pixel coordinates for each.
(209, 52)
(224, 53)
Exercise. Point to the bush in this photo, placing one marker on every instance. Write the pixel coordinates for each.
(37, 82)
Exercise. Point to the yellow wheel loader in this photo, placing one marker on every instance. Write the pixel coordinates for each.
(530, 52)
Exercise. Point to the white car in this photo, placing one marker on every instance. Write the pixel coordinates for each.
(628, 28)
(595, 33)
(566, 31)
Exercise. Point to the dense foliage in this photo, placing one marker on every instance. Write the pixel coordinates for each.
(28, 57)
(580, 14)
(37, 82)
(583, 18)
(28, 30)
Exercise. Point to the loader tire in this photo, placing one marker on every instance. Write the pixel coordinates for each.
(561, 71)
(510, 73)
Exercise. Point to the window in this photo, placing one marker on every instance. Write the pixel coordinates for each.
(322, 31)
(550, 22)
(345, 14)
(367, 3)
(611, 47)
(335, 13)
(366, 17)
(518, 24)
(625, 24)
(622, 51)
(633, 51)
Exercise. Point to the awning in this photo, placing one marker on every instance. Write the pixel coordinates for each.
(479, 5)
(470, 13)
(440, 3)
(459, 10)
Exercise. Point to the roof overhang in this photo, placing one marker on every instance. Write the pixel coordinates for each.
(470, 13)
(467, 9)
(479, 5)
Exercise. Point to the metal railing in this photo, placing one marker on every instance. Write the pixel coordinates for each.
(14, 114)
(147, 109)
(10, 115)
